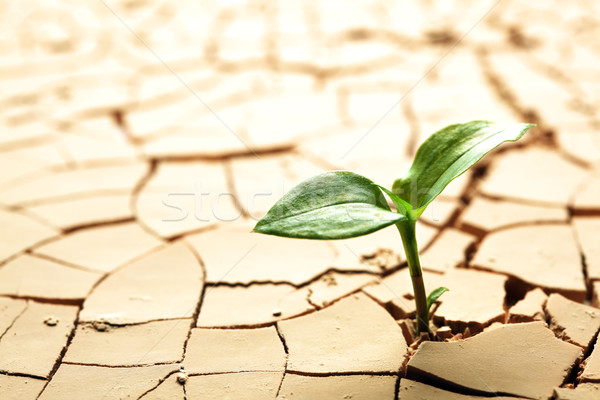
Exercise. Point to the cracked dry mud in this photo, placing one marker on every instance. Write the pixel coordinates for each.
(140, 141)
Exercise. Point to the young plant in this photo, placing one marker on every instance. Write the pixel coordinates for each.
(342, 204)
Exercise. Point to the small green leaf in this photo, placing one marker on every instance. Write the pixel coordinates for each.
(333, 205)
(401, 206)
(447, 154)
(434, 295)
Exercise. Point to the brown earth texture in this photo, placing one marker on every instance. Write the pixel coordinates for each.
(140, 142)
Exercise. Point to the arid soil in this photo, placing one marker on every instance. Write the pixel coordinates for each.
(140, 141)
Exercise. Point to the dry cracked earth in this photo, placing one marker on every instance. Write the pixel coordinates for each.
(140, 141)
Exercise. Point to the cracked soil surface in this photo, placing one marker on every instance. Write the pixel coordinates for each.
(140, 141)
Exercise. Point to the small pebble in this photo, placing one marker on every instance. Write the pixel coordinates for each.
(277, 312)
(100, 326)
(182, 377)
(51, 321)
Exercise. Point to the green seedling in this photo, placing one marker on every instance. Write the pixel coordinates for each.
(342, 204)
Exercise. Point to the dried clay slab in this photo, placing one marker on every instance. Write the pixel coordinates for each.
(574, 322)
(412, 390)
(517, 352)
(546, 256)
(591, 370)
(530, 308)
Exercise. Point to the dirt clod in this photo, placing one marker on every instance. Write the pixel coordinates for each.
(383, 259)
(444, 333)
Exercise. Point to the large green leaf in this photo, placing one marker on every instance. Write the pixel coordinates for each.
(333, 205)
(447, 154)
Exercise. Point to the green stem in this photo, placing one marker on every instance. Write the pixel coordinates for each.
(409, 240)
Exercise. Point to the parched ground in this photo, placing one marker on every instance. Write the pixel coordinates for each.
(140, 141)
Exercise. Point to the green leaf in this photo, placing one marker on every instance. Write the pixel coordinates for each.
(447, 154)
(333, 205)
(434, 295)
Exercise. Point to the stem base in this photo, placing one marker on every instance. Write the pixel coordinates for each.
(409, 241)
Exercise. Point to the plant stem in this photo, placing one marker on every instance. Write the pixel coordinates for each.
(409, 240)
